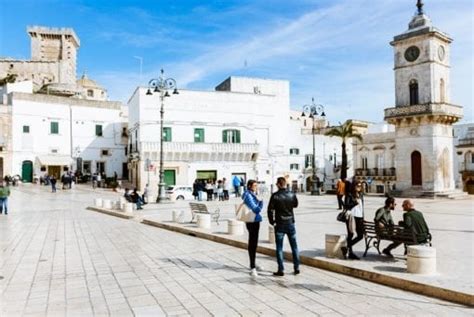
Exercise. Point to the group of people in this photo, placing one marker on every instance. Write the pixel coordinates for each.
(133, 196)
(214, 190)
(351, 198)
(280, 215)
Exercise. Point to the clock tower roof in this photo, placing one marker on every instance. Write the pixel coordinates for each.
(420, 24)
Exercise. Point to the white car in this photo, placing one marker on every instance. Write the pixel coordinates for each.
(180, 192)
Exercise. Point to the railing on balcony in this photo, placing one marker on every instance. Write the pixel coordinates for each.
(466, 142)
(189, 151)
(376, 172)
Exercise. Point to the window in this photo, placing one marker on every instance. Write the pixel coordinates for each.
(43, 169)
(54, 151)
(442, 90)
(124, 132)
(167, 134)
(198, 135)
(54, 127)
(86, 167)
(308, 160)
(231, 136)
(413, 92)
(294, 167)
(294, 151)
(104, 152)
(98, 130)
(364, 162)
(90, 93)
(26, 129)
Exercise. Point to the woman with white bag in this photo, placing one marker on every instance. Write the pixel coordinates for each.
(249, 211)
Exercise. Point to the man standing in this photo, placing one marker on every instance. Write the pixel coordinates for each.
(225, 186)
(280, 215)
(4, 193)
(340, 191)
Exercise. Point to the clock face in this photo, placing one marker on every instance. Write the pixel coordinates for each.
(441, 52)
(412, 53)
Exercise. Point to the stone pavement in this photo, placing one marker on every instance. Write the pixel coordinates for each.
(59, 259)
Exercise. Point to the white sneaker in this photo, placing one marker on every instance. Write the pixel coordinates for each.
(259, 268)
(253, 273)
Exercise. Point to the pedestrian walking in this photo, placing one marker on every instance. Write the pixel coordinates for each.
(236, 184)
(4, 193)
(226, 186)
(340, 191)
(53, 184)
(354, 203)
(145, 194)
(251, 201)
(281, 216)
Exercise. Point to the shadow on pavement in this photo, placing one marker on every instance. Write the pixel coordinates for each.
(390, 269)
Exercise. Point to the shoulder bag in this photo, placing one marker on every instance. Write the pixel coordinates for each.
(243, 213)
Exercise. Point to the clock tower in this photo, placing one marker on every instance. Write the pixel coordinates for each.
(423, 115)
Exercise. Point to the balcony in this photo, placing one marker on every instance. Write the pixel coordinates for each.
(383, 174)
(188, 151)
(466, 142)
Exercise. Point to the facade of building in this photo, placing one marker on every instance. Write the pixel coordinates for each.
(464, 158)
(422, 143)
(51, 122)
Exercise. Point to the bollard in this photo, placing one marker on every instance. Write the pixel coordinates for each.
(235, 227)
(98, 202)
(334, 242)
(176, 215)
(204, 221)
(271, 234)
(421, 259)
(122, 202)
(118, 205)
(128, 207)
(107, 204)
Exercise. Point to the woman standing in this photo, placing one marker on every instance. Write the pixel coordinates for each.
(255, 205)
(355, 204)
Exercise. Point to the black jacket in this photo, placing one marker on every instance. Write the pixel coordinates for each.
(280, 207)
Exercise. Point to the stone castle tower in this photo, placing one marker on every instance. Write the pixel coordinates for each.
(423, 115)
(56, 45)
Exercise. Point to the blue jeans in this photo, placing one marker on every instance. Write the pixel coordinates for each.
(4, 205)
(280, 231)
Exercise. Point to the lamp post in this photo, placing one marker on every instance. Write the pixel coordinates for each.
(313, 111)
(162, 86)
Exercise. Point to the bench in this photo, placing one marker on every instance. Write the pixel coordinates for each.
(198, 208)
(373, 235)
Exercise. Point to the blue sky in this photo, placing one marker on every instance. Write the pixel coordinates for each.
(333, 50)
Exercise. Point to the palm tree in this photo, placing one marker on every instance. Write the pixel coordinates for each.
(344, 132)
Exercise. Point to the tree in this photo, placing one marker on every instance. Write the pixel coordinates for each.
(344, 132)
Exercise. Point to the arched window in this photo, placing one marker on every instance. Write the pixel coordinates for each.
(413, 92)
(442, 90)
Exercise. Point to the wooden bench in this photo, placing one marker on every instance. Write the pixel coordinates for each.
(373, 235)
(198, 208)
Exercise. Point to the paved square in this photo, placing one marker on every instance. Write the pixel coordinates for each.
(59, 259)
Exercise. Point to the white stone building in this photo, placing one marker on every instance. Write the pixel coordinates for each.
(50, 121)
(464, 158)
(239, 129)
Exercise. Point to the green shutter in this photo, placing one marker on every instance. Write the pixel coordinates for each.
(237, 136)
(224, 136)
(198, 135)
(167, 134)
(26, 129)
(54, 127)
(98, 130)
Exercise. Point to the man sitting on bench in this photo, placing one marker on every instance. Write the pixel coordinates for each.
(412, 220)
(383, 219)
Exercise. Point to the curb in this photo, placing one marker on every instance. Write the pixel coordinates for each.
(395, 282)
(111, 212)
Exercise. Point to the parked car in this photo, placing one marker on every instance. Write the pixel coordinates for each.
(180, 192)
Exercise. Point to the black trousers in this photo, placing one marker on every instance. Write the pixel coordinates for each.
(339, 201)
(253, 228)
(359, 222)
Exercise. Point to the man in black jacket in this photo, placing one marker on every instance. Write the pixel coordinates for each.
(280, 215)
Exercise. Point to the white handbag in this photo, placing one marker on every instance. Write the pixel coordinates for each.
(244, 213)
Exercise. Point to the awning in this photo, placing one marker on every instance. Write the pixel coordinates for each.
(54, 160)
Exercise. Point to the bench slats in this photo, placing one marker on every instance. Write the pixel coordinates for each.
(199, 208)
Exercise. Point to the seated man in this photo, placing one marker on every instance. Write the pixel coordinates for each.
(137, 199)
(412, 220)
(127, 195)
(383, 220)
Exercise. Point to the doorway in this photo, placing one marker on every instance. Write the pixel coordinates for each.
(169, 177)
(27, 171)
(416, 176)
(55, 171)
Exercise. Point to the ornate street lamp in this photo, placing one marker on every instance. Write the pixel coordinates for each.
(162, 86)
(313, 111)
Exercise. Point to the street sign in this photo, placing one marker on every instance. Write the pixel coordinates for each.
(369, 180)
